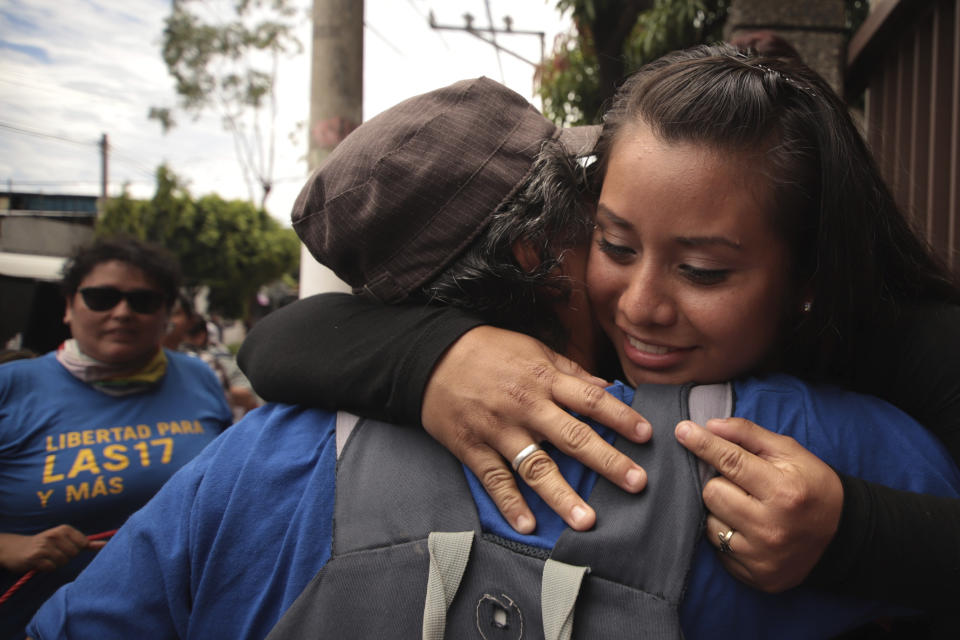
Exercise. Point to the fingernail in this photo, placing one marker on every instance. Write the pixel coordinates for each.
(634, 479)
(524, 524)
(644, 430)
(683, 429)
(579, 515)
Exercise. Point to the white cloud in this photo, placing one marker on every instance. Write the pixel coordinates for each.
(75, 69)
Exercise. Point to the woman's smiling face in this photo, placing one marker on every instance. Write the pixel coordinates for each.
(686, 274)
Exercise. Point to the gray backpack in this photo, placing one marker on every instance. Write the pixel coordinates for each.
(410, 560)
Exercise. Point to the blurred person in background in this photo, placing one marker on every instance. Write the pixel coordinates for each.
(239, 393)
(89, 432)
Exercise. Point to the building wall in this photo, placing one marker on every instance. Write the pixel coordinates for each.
(43, 236)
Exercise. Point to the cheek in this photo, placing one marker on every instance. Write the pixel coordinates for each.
(602, 287)
(158, 324)
(748, 325)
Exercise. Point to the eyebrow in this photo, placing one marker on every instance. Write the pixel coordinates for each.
(687, 241)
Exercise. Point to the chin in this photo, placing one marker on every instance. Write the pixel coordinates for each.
(126, 356)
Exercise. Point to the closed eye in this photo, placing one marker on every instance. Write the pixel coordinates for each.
(617, 252)
(704, 276)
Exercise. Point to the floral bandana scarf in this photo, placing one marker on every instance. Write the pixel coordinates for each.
(111, 379)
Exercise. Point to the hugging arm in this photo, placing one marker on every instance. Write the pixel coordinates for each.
(492, 392)
(340, 351)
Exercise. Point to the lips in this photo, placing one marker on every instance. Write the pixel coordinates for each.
(651, 356)
(654, 349)
(120, 334)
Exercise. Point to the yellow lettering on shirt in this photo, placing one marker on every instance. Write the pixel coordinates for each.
(99, 487)
(144, 454)
(143, 431)
(167, 444)
(116, 484)
(75, 494)
(85, 461)
(48, 474)
(44, 496)
(116, 454)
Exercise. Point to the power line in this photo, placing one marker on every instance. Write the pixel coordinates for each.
(382, 37)
(40, 134)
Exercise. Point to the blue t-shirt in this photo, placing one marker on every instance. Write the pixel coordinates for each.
(70, 454)
(231, 541)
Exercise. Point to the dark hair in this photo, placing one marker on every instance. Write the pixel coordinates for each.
(198, 327)
(158, 264)
(185, 302)
(850, 244)
(549, 211)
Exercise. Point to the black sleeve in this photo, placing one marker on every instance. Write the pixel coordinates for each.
(896, 546)
(915, 365)
(340, 351)
(892, 544)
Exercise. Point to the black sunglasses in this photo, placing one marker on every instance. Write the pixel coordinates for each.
(106, 298)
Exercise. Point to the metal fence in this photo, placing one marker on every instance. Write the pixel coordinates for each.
(907, 57)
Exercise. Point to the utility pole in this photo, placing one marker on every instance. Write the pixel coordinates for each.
(336, 104)
(480, 32)
(104, 151)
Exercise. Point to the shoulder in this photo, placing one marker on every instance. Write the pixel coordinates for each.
(857, 434)
(277, 434)
(28, 367)
(39, 380)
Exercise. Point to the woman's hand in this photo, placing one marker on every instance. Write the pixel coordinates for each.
(44, 551)
(495, 392)
(782, 502)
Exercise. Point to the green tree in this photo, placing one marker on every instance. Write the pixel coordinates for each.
(231, 246)
(609, 39)
(229, 66)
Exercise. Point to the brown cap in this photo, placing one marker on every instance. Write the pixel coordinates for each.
(407, 191)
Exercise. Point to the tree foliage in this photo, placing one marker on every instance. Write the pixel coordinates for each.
(230, 246)
(229, 66)
(611, 38)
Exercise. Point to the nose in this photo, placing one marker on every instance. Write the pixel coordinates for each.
(648, 299)
(122, 309)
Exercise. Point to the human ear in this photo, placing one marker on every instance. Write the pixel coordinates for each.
(526, 256)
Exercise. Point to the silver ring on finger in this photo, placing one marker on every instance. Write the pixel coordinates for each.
(525, 453)
(725, 537)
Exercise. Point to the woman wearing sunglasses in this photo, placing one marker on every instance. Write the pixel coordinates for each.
(90, 432)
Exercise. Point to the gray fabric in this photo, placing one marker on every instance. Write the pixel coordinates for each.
(449, 553)
(709, 401)
(558, 596)
(396, 485)
(651, 549)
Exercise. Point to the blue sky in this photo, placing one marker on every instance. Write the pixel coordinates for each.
(71, 70)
